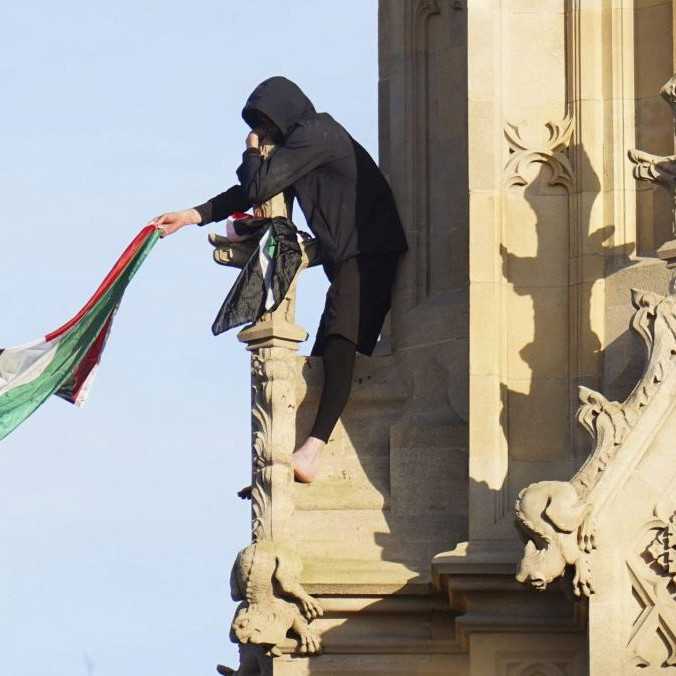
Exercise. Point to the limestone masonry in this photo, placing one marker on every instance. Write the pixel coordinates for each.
(499, 497)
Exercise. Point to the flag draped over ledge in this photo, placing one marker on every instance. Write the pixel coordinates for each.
(65, 360)
(266, 278)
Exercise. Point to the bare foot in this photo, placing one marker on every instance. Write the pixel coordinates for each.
(306, 460)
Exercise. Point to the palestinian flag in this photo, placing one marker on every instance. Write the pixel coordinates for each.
(64, 361)
(266, 277)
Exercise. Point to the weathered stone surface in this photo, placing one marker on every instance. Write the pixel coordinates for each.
(504, 131)
(614, 521)
(555, 219)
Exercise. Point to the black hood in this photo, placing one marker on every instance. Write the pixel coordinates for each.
(281, 100)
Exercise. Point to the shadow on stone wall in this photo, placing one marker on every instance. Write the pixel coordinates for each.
(428, 441)
(537, 422)
(403, 456)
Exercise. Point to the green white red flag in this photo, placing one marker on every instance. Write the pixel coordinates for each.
(64, 361)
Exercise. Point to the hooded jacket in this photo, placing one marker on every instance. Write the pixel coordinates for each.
(344, 196)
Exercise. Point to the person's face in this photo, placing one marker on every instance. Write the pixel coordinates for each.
(267, 129)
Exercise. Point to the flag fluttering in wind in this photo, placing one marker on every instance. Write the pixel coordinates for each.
(64, 361)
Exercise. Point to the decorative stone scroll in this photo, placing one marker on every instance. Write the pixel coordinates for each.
(558, 516)
(549, 151)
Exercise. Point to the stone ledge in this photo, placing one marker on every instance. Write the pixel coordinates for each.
(351, 577)
(479, 580)
(394, 625)
(374, 664)
(494, 557)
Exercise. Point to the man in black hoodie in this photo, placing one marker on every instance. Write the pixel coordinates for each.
(350, 209)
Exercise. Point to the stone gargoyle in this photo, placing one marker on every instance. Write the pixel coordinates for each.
(266, 579)
(554, 513)
(558, 516)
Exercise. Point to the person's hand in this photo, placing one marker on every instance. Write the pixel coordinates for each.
(252, 140)
(170, 222)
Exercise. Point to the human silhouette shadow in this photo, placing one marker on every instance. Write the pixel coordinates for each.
(538, 418)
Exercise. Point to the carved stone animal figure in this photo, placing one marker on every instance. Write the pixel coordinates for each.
(555, 514)
(264, 573)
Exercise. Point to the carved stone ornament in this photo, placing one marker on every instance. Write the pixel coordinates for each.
(662, 550)
(549, 150)
(261, 444)
(659, 169)
(559, 520)
(652, 571)
(558, 516)
(266, 579)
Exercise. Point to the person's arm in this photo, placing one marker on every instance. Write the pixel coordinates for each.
(261, 178)
(173, 221)
(222, 205)
(215, 209)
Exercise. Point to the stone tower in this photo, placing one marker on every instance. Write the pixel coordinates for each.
(505, 130)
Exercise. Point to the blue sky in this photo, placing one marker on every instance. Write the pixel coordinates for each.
(119, 522)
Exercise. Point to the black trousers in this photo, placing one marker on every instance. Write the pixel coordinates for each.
(357, 303)
(339, 355)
